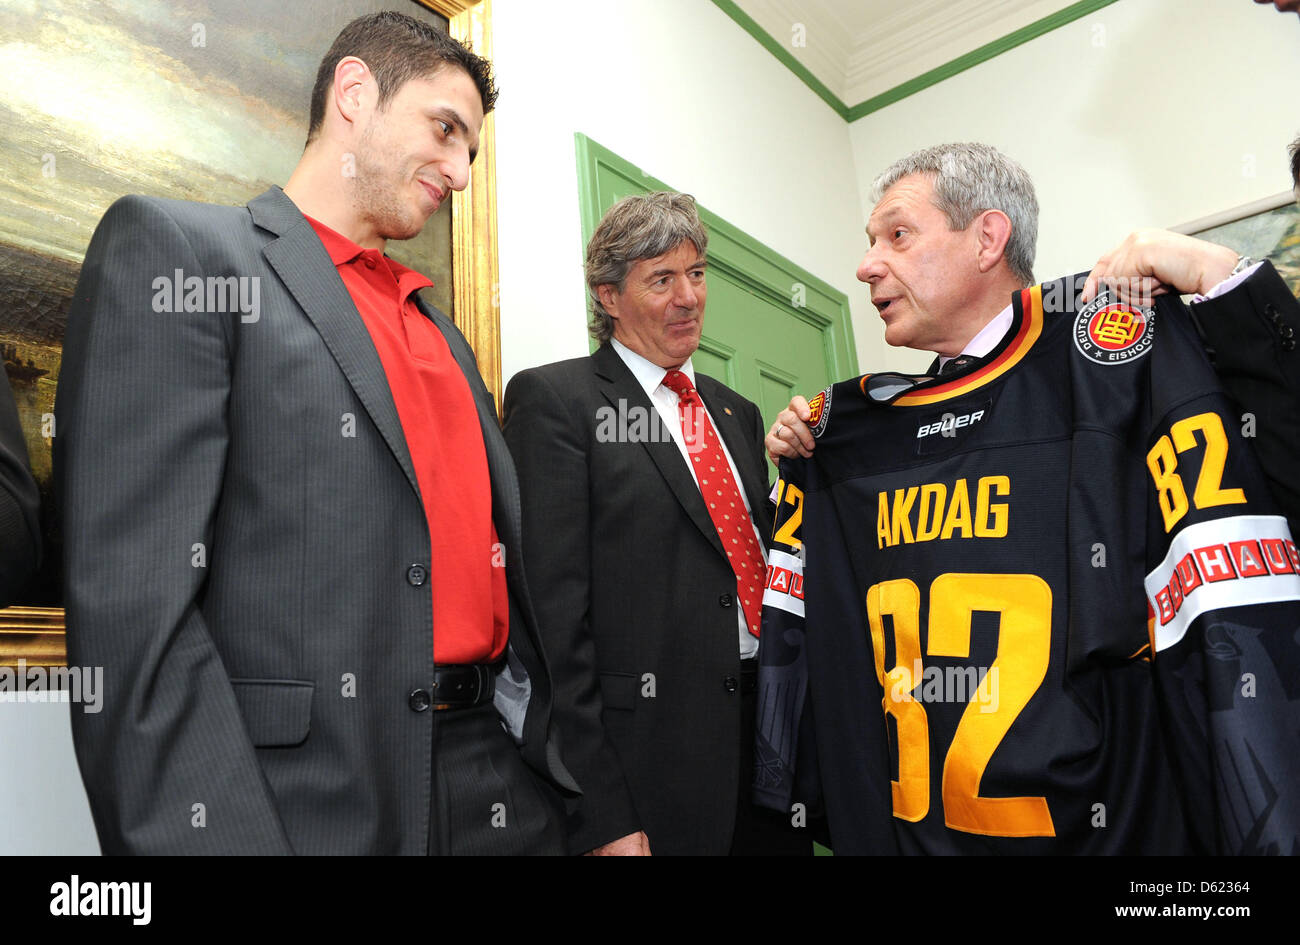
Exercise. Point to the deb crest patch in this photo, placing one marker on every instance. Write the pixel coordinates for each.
(1108, 331)
(819, 412)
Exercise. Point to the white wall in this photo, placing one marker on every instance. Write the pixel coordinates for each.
(1145, 113)
(678, 89)
(43, 807)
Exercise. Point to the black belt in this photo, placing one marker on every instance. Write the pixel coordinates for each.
(463, 686)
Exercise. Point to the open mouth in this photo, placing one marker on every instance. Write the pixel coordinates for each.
(882, 304)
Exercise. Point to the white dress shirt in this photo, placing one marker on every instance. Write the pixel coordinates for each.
(651, 376)
(987, 339)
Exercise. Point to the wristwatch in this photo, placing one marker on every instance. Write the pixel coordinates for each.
(1243, 263)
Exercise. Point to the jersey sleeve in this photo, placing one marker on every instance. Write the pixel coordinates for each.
(1223, 597)
(783, 737)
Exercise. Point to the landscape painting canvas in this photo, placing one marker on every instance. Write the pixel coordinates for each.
(190, 99)
(1271, 234)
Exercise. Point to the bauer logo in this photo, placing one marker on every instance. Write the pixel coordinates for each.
(942, 431)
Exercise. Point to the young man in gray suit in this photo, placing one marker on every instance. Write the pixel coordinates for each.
(315, 628)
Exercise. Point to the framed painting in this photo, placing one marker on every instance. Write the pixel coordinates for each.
(197, 100)
(1266, 229)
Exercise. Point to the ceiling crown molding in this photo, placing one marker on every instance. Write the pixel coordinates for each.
(852, 50)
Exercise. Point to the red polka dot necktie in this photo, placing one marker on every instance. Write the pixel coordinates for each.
(721, 495)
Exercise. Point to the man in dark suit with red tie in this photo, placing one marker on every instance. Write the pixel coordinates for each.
(645, 519)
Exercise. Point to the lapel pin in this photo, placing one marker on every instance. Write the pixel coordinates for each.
(727, 410)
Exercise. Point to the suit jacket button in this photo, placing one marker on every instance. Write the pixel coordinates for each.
(1286, 331)
(1288, 344)
(416, 575)
(418, 700)
(730, 683)
(725, 600)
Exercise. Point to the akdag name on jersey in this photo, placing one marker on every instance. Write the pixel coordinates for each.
(939, 511)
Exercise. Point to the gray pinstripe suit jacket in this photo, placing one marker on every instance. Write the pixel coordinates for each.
(238, 564)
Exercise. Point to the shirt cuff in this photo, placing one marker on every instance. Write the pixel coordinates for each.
(1228, 284)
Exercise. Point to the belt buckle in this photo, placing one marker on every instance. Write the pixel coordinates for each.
(466, 702)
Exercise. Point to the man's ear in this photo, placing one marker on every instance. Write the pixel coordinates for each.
(608, 295)
(992, 231)
(353, 90)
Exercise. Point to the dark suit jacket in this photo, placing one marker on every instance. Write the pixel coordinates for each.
(636, 601)
(241, 519)
(20, 529)
(1253, 333)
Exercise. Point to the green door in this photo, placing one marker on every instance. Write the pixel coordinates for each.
(771, 329)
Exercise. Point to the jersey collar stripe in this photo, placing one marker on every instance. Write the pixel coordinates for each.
(1023, 336)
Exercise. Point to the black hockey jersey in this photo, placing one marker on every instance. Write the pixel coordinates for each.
(1042, 605)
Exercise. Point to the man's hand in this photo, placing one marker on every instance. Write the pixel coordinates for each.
(790, 435)
(634, 844)
(1153, 262)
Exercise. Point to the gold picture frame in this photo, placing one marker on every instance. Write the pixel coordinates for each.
(474, 212)
(36, 635)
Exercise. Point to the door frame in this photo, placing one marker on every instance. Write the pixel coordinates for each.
(757, 267)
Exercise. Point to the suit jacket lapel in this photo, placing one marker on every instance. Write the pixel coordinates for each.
(501, 466)
(618, 383)
(300, 260)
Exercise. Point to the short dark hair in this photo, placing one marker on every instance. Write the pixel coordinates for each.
(396, 48)
(1295, 164)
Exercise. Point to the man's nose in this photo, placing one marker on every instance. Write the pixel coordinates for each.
(870, 268)
(686, 294)
(456, 171)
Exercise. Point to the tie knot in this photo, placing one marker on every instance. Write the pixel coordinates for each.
(678, 383)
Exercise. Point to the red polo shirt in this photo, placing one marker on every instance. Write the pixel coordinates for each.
(440, 422)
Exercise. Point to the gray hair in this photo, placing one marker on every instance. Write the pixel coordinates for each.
(970, 178)
(642, 226)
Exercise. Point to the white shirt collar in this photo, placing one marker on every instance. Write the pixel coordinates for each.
(648, 374)
(988, 337)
